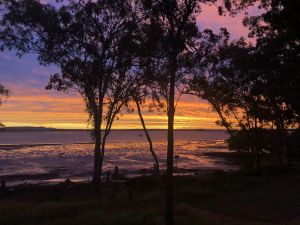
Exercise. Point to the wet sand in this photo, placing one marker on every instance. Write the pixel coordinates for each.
(197, 152)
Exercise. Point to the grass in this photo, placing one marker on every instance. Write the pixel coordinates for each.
(237, 198)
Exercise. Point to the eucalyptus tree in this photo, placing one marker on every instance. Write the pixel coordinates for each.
(144, 93)
(242, 89)
(156, 163)
(267, 74)
(88, 41)
(173, 24)
(257, 85)
(277, 34)
(221, 76)
(172, 32)
(278, 46)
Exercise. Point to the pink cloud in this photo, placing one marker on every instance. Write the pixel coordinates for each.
(209, 18)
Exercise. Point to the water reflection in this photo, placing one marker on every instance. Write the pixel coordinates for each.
(77, 158)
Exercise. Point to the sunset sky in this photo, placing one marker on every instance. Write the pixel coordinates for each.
(30, 104)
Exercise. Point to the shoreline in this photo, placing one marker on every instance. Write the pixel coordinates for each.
(56, 176)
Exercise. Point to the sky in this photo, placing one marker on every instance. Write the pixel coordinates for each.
(29, 104)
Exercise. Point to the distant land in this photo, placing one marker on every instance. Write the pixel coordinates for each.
(21, 129)
(47, 129)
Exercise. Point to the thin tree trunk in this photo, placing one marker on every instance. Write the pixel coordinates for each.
(97, 150)
(148, 138)
(225, 123)
(170, 150)
(107, 131)
(102, 152)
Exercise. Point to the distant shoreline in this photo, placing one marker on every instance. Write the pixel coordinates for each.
(46, 129)
(17, 146)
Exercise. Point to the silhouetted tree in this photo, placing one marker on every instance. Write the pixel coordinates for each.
(156, 163)
(236, 90)
(144, 94)
(204, 82)
(254, 88)
(172, 34)
(278, 47)
(89, 41)
(173, 24)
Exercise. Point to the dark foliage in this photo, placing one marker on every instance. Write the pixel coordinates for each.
(254, 88)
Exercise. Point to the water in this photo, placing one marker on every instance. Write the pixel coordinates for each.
(57, 155)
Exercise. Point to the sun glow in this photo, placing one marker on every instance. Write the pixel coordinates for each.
(67, 112)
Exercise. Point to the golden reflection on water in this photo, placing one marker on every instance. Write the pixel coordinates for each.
(76, 159)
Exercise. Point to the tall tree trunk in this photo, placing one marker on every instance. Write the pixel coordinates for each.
(103, 150)
(97, 111)
(97, 150)
(170, 150)
(111, 118)
(148, 137)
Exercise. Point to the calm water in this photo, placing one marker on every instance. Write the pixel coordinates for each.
(70, 153)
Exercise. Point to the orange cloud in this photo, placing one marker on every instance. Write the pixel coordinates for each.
(45, 108)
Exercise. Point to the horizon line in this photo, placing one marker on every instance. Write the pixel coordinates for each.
(117, 129)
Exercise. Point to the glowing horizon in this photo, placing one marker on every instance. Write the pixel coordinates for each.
(67, 112)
